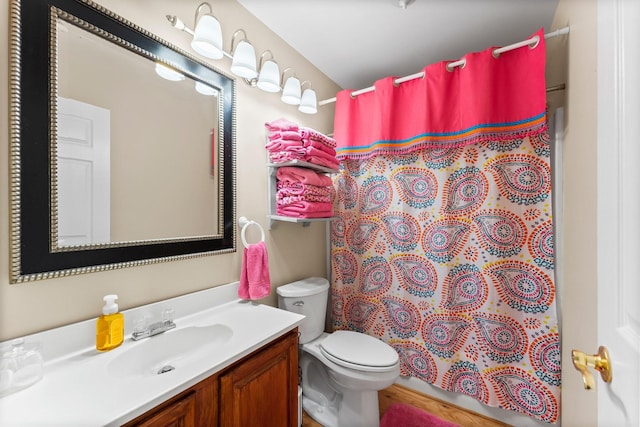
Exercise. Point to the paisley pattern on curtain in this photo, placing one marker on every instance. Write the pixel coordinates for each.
(446, 253)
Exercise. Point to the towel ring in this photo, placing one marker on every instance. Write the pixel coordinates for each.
(245, 223)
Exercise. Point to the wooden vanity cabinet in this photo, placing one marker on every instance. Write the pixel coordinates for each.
(259, 390)
(262, 389)
(176, 413)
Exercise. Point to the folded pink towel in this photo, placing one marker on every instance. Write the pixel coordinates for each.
(306, 209)
(285, 134)
(281, 124)
(331, 164)
(309, 207)
(285, 156)
(287, 200)
(255, 282)
(319, 145)
(308, 133)
(302, 175)
(314, 152)
(296, 188)
(284, 144)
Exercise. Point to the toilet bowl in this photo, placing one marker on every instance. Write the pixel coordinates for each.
(341, 372)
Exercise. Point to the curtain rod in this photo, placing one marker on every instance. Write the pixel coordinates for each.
(460, 63)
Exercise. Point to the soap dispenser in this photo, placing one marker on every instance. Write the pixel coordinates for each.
(109, 326)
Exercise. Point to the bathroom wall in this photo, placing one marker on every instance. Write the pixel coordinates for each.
(294, 251)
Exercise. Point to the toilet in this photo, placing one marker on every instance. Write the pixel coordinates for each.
(342, 372)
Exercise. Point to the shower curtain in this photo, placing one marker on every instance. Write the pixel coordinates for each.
(443, 242)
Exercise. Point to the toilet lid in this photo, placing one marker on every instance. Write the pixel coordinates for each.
(359, 351)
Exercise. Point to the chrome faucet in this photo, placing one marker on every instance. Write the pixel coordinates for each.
(142, 330)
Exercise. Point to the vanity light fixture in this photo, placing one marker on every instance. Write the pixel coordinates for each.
(207, 37)
(269, 77)
(244, 57)
(168, 73)
(291, 91)
(308, 103)
(207, 41)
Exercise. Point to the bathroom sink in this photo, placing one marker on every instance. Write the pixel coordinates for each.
(169, 351)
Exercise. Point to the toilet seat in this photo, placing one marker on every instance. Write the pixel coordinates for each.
(359, 351)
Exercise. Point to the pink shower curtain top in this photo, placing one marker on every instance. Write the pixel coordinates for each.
(488, 98)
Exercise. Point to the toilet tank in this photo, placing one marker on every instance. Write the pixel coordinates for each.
(309, 298)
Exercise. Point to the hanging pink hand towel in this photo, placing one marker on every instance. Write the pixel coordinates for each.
(255, 282)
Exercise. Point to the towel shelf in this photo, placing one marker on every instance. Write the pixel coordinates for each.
(272, 168)
(303, 164)
(304, 221)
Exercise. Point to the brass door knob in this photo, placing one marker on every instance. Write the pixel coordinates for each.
(601, 362)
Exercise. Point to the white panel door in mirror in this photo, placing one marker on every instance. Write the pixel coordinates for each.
(83, 173)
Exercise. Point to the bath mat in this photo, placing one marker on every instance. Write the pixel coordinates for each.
(403, 415)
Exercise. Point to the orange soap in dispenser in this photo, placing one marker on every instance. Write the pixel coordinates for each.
(109, 326)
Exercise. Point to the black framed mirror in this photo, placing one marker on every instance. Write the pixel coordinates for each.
(166, 190)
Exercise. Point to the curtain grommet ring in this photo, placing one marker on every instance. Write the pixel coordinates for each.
(459, 63)
(535, 43)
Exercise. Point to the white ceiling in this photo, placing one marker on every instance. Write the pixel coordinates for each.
(356, 42)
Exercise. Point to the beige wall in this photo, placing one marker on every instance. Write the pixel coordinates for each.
(572, 60)
(294, 251)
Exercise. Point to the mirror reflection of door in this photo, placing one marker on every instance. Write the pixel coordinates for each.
(83, 173)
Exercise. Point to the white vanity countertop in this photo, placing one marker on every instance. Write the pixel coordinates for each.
(79, 389)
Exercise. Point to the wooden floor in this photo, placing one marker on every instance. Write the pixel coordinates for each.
(439, 408)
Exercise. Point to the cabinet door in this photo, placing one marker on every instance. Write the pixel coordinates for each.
(263, 390)
(181, 413)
